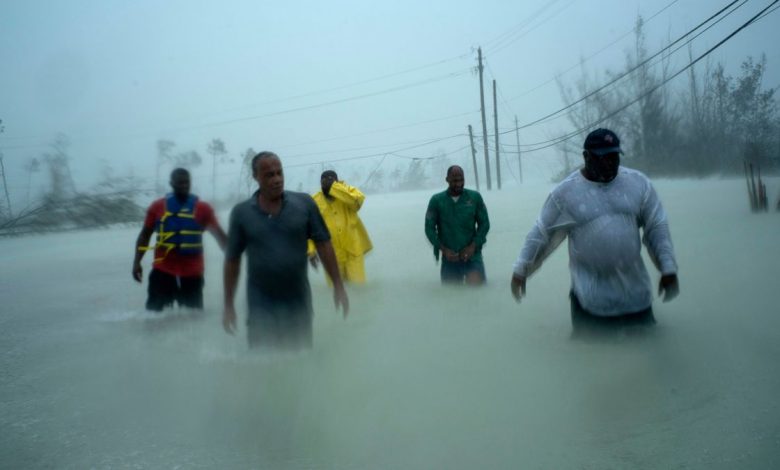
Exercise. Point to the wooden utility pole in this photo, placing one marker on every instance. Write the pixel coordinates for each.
(484, 122)
(495, 126)
(474, 156)
(5, 187)
(5, 181)
(519, 158)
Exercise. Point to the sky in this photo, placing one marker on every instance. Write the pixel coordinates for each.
(319, 82)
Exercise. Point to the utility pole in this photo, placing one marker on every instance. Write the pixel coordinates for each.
(484, 122)
(495, 125)
(519, 158)
(5, 187)
(5, 182)
(474, 156)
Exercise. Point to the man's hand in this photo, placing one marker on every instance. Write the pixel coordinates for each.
(668, 286)
(229, 319)
(340, 299)
(450, 255)
(314, 261)
(467, 253)
(517, 286)
(138, 272)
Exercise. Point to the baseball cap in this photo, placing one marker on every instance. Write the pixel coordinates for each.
(602, 141)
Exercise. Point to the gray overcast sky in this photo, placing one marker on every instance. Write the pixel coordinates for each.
(115, 76)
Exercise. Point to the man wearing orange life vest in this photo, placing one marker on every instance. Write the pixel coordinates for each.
(177, 271)
(339, 204)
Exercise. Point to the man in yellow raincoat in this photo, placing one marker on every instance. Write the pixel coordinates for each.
(339, 204)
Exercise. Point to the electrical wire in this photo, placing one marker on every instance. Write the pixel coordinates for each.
(570, 135)
(621, 37)
(632, 69)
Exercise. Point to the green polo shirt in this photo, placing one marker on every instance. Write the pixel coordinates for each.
(456, 224)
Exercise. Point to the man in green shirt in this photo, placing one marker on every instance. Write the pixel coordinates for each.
(457, 224)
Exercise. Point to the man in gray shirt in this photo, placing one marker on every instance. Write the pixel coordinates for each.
(601, 208)
(273, 226)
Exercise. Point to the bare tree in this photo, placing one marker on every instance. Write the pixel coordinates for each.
(414, 177)
(375, 182)
(33, 165)
(755, 110)
(217, 150)
(731, 119)
(647, 126)
(246, 178)
(58, 164)
(440, 164)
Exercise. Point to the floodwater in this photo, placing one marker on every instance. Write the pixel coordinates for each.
(419, 376)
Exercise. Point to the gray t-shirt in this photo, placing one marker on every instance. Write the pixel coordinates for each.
(276, 246)
(602, 222)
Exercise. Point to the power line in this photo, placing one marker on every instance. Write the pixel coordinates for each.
(520, 34)
(566, 137)
(349, 85)
(376, 131)
(281, 112)
(621, 37)
(632, 69)
(445, 154)
(366, 148)
(571, 105)
(503, 36)
(500, 93)
(360, 157)
(328, 103)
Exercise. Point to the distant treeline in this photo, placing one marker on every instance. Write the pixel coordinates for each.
(713, 125)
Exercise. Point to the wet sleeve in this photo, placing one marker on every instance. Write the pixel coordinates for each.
(656, 237)
(545, 236)
(483, 224)
(236, 243)
(318, 231)
(431, 223)
(349, 195)
(207, 217)
(153, 214)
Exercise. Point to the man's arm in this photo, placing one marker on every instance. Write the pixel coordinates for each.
(431, 222)
(219, 234)
(658, 241)
(231, 272)
(347, 194)
(483, 224)
(141, 244)
(328, 258)
(545, 236)
(211, 223)
(311, 252)
(432, 232)
(236, 243)
(517, 286)
(480, 236)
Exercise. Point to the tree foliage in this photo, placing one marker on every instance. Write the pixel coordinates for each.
(709, 127)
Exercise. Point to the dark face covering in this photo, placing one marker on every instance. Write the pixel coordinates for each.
(180, 183)
(326, 182)
(455, 182)
(601, 169)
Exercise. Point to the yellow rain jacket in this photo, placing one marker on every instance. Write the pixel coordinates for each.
(340, 213)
